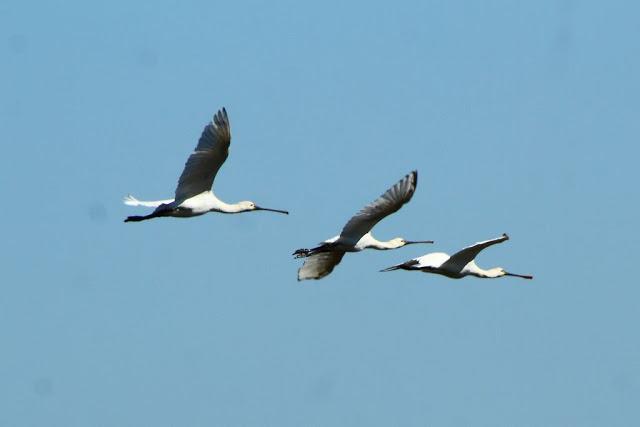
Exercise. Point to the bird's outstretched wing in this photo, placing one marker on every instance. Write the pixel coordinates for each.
(385, 205)
(205, 162)
(466, 255)
(319, 265)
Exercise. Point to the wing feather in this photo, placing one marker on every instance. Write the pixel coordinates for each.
(468, 254)
(319, 265)
(388, 203)
(205, 162)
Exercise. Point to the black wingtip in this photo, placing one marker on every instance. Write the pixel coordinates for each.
(414, 175)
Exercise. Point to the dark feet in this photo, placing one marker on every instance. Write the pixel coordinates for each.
(301, 253)
(141, 218)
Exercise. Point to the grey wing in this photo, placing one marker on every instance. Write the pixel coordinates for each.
(319, 265)
(205, 162)
(468, 254)
(388, 203)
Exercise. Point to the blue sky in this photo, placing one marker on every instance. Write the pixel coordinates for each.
(520, 117)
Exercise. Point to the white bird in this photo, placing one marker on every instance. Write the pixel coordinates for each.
(356, 234)
(194, 195)
(458, 265)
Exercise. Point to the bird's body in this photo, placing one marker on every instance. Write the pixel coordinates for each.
(356, 234)
(194, 195)
(199, 204)
(366, 242)
(458, 265)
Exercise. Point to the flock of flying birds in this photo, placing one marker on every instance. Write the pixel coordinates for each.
(194, 196)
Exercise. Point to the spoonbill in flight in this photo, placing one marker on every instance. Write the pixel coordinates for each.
(356, 234)
(194, 195)
(458, 265)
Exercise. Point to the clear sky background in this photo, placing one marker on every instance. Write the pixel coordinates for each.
(521, 117)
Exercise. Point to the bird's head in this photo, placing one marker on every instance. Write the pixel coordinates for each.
(500, 272)
(247, 206)
(399, 242)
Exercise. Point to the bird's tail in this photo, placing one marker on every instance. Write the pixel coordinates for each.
(132, 201)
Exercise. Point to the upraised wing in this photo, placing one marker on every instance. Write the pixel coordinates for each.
(385, 205)
(468, 254)
(319, 265)
(205, 162)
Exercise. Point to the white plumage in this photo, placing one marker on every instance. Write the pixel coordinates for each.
(458, 265)
(194, 195)
(356, 234)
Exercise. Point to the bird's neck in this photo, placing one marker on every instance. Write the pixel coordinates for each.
(491, 273)
(473, 270)
(382, 245)
(220, 206)
(369, 242)
(233, 208)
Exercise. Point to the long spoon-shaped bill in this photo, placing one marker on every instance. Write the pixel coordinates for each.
(258, 208)
(413, 242)
(524, 276)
